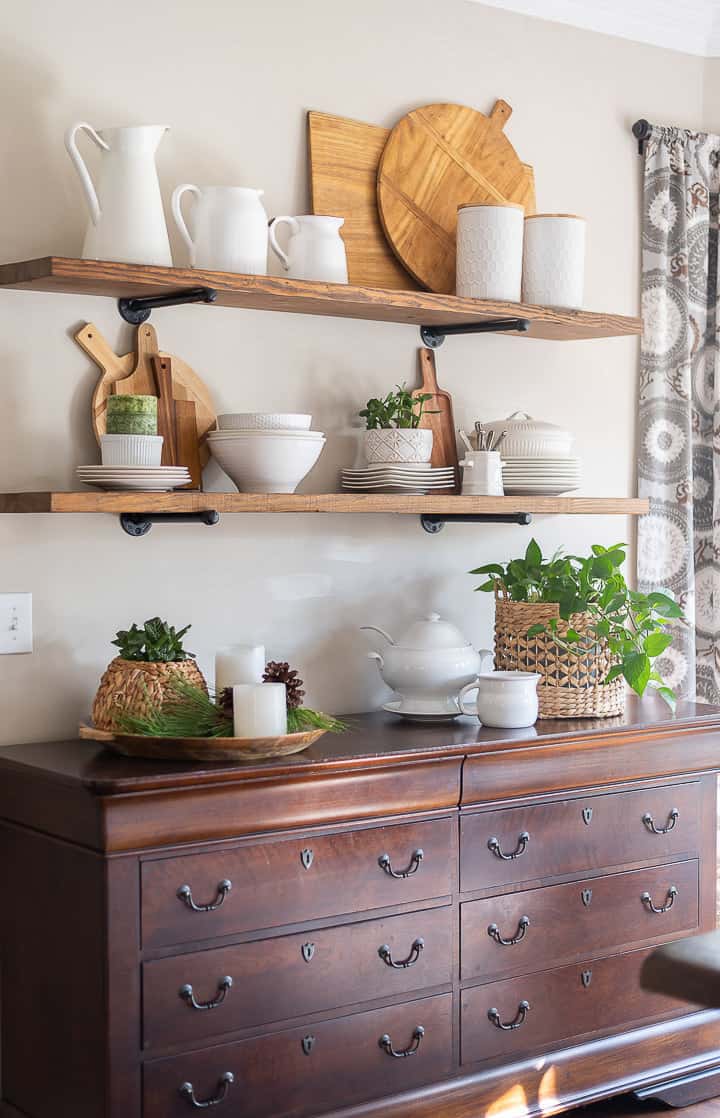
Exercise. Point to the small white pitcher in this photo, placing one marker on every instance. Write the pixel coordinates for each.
(508, 700)
(316, 250)
(230, 226)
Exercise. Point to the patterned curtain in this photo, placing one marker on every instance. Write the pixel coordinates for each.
(679, 415)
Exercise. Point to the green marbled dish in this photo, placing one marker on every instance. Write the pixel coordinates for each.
(132, 415)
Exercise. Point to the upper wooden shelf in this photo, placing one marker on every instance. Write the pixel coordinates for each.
(419, 308)
(138, 502)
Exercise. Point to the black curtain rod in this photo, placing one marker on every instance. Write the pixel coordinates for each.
(642, 130)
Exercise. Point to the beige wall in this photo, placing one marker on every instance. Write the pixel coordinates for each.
(711, 95)
(233, 80)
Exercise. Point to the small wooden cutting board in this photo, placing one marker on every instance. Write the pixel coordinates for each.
(441, 422)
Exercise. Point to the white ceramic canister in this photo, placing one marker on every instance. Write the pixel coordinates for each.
(554, 260)
(489, 251)
(508, 700)
(482, 474)
(315, 251)
(229, 225)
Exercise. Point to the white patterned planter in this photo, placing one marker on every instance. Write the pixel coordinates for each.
(554, 260)
(489, 252)
(401, 444)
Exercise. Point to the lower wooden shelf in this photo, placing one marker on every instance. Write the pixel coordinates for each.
(187, 502)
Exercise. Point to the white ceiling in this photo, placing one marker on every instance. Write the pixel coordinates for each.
(692, 26)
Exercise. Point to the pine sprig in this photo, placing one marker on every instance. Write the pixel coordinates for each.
(302, 719)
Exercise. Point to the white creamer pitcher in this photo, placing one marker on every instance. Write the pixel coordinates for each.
(127, 222)
(230, 228)
(316, 251)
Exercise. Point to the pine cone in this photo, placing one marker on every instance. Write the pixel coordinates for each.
(281, 672)
(225, 699)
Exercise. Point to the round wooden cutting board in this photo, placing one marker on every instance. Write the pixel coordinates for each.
(437, 158)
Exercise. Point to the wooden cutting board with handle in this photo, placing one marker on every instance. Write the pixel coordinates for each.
(441, 422)
(437, 158)
(117, 369)
(176, 422)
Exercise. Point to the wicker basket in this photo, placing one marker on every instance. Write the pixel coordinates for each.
(571, 685)
(133, 686)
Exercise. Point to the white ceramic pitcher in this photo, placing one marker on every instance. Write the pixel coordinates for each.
(230, 226)
(127, 222)
(316, 250)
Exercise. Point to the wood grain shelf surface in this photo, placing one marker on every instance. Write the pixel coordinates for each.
(419, 308)
(92, 501)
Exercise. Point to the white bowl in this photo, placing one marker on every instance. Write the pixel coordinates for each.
(131, 450)
(263, 421)
(231, 436)
(266, 465)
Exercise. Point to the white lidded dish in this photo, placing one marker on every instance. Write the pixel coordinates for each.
(530, 438)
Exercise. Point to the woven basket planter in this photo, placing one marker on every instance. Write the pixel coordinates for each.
(133, 686)
(572, 684)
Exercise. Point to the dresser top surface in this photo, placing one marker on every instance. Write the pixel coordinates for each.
(375, 739)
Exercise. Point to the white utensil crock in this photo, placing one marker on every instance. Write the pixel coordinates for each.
(482, 474)
(507, 700)
(489, 251)
(127, 222)
(554, 260)
(316, 250)
(230, 227)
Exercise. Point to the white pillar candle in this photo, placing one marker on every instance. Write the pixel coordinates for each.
(260, 710)
(239, 663)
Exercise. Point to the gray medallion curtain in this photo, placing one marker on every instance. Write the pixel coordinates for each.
(679, 411)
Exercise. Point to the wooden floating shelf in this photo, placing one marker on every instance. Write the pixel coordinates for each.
(270, 293)
(138, 502)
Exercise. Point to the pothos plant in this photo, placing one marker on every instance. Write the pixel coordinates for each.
(397, 409)
(633, 625)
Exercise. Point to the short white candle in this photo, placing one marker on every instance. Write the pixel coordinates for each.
(239, 663)
(260, 710)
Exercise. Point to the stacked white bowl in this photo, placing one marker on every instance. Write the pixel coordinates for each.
(265, 452)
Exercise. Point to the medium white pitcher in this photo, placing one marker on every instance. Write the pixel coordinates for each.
(127, 222)
(230, 226)
(316, 250)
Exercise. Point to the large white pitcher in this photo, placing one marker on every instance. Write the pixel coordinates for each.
(127, 222)
(230, 227)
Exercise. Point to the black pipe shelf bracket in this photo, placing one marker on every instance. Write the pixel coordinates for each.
(433, 522)
(136, 310)
(434, 336)
(139, 523)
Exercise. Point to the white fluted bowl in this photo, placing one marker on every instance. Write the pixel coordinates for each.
(271, 465)
(263, 421)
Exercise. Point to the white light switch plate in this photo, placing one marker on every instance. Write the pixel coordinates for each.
(15, 623)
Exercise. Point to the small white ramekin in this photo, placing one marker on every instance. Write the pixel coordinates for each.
(131, 450)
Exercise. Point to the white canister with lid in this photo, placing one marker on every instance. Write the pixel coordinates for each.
(489, 251)
(554, 260)
(530, 438)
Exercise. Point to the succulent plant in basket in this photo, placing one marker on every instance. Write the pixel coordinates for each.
(393, 427)
(151, 659)
(575, 620)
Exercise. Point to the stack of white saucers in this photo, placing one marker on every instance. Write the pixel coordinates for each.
(547, 477)
(265, 452)
(157, 479)
(418, 477)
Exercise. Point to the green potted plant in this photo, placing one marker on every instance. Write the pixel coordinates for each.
(393, 428)
(151, 659)
(574, 620)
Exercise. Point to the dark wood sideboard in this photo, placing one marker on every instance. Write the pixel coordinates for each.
(403, 921)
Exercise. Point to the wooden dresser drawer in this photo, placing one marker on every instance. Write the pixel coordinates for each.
(563, 1003)
(573, 836)
(291, 976)
(565, 922)
(310, 1069)
(295, 880)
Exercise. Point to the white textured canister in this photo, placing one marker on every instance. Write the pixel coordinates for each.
(489, 251)
(554, 260)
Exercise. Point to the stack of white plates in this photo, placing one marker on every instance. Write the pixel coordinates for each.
(158, 479)
(541, 476)
(420, 477)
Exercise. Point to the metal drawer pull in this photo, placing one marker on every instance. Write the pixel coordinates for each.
(494, 846)
(413, 866)
(386, 1044)
(415, 951)
(671, 821)
(224, 1084)
(188, 996)
(184, 893)
(670, 901)
(523, 1010)
(494, 932)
